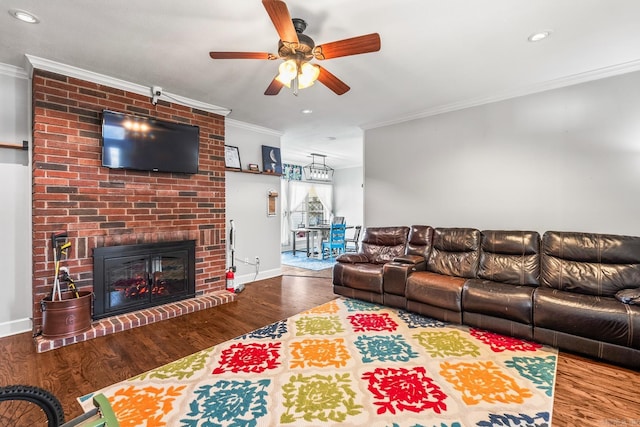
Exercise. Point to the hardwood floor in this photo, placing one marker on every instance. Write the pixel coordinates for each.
(587, 393)
(295, 271)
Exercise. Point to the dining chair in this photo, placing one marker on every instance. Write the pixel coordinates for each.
(355, 239)
(336, 240)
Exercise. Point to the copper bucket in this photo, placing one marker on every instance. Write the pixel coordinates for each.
(68, 316)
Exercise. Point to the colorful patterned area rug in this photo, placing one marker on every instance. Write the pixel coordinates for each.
(348, 363)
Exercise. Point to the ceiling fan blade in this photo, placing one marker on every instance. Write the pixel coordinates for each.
(281, 19)
(353, 46)
(242, 55)
(332, 82)
(274, 87)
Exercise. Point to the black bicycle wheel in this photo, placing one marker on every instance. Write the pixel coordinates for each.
(24, 406)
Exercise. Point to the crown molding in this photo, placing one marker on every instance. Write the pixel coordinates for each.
(587, 76)
(12, 71)
(251, 127)
(79, 73)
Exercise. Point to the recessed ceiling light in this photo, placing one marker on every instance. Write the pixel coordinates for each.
(24, 16)
(540, 35)
(306, 111)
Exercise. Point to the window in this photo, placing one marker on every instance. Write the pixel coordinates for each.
(305, 204)
(310, 212)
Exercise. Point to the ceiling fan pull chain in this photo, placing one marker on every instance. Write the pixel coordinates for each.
(295, 85)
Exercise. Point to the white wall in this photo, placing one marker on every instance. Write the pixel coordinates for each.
(348, 195)
(566, 159)
(246, 204)
(15, 209)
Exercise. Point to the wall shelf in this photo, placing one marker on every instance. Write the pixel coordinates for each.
(22, 146)
(253, 172)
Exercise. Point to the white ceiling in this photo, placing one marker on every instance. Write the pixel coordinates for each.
(436, 55)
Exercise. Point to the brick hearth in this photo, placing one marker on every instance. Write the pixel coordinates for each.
(134, 319)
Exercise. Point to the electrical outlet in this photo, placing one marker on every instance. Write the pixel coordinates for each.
(246, 260)
(257, 260)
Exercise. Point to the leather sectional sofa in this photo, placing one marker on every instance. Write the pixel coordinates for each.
(558, 289)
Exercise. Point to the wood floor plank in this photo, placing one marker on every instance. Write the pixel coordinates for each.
(587, 392)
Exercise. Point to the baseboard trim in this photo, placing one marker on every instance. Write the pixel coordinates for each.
(15, 327)
(252, 277)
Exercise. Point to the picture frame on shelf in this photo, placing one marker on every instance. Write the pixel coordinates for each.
(232, 157)
(271, 160)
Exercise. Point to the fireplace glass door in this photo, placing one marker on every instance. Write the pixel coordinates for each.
(133, 281)
(132, 278)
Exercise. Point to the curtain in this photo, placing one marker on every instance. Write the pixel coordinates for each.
(325, 194)
(296, 194)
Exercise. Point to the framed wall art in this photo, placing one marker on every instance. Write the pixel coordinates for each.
(272, 199)
(271, 161)
(291, 172)
(231, 157)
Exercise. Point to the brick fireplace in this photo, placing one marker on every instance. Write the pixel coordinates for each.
(100, 207)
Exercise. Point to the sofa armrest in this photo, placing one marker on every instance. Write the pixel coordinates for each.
(351, 258)
(418, 261)
(395, 277)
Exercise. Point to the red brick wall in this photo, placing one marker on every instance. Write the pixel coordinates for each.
(98, 206)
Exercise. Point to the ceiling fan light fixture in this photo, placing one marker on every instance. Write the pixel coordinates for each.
(288, 71)
(308, 75)
(297, 49)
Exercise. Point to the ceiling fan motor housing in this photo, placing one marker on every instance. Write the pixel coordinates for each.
(301, 50)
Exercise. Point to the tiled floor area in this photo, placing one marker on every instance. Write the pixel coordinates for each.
(123, 322)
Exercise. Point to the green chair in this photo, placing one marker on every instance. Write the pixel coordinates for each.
(336, 240)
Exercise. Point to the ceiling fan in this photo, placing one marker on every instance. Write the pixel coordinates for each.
(297, 50)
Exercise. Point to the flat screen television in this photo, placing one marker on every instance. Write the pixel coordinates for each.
(133, 142)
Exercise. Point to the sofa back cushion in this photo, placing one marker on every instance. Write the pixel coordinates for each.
(420, 241)
(455, 252)
(510, 257)
(383, 244)
(589, 263)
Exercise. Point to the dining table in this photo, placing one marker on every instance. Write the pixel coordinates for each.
(312, 233)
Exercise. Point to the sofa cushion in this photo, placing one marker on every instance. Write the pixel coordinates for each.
(383, 244)
(420, 241)
(589, 263)
(455, 252)
(510, 257)
(503, 300)
(598, 318)
(436, 289)
(363, 276)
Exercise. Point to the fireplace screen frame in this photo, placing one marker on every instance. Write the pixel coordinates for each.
(148, 254)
